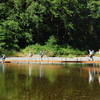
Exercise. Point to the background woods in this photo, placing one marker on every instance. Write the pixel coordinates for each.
(71, 22)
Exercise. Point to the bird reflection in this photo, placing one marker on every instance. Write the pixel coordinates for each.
(41, 71)
(91, 76)
(30, 69)
(2, 68)
(94, 73)
(99, 79)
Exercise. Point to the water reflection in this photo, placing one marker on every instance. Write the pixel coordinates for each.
(47, 82)
(41, 70)
(93, 73)
(2, 68)
(30, 69)
(91, 76)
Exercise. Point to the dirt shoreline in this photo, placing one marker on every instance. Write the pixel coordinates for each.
(49, 60)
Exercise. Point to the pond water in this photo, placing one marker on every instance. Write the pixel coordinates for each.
(49, 82)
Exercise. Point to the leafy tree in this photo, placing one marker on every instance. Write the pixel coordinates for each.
(71, 22)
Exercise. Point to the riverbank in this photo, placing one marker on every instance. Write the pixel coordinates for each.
(52, 60)
(47, 50)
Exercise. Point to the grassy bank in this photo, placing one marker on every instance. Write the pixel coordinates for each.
(54, 50)
(49, 50)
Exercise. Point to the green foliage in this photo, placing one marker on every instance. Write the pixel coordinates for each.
(54, 50)
(8, 34)
(69, 51)
(51, 41)
(35, 49)
(94, 6)
(64, 22)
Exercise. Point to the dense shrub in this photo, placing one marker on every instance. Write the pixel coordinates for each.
(54, 50)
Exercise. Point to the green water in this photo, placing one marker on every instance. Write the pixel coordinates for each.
(49, 82)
